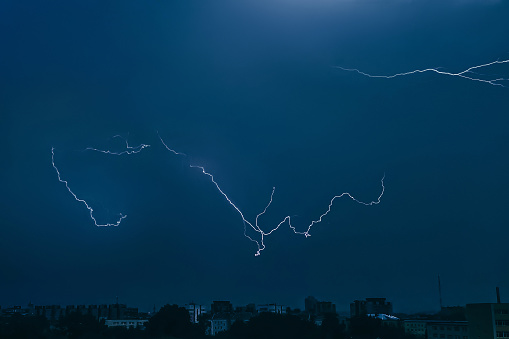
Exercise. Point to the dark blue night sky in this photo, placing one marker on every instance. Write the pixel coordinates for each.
(250, 90)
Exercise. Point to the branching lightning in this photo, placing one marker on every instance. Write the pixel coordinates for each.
(256, 226)
(129, 149)
(169, 149)
(90, 209)
(468, 74)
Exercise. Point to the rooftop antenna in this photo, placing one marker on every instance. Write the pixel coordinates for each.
(440, 291)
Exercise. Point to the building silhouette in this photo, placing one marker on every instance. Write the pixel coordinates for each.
(221, 307)
(488, 320)
(195, 311)
(313, 307)
(370, 306)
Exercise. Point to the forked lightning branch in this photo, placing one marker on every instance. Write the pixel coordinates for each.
(248, 225)
(470, 73)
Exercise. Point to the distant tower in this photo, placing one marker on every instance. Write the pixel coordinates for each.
(440, 292)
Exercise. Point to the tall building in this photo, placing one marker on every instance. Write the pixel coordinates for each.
(370, 306)
(82, 309)
(195, 311)
(488, 321)
(314, 307)
(102, 311)
(222, 312)
(310, 305)
(323, 307)
(116, 311)
(221, 307)
(51, 312)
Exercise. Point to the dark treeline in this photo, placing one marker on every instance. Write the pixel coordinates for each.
(173, 322)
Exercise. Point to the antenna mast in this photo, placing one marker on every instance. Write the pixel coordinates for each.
(440, 291)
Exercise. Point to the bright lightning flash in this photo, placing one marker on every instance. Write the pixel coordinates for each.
(90, 209)
(468, 74)
(256, 227)
(129, 150)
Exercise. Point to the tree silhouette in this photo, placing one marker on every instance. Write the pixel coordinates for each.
(331, 328)
(364, 327)
(172, 320)
(77, 325)
(272, 326)
(18, 326)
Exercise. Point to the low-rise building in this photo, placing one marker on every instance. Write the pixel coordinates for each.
(242, 316)
(28, 310)
(272, 308)
(249, 308)
(128, 323)
(415, 327)
(447, 330)
(220, 322)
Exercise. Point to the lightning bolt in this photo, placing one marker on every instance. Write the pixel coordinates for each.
(255, 226)
(129, 149)
(468, 73)
(169, 149)
(90, 209)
